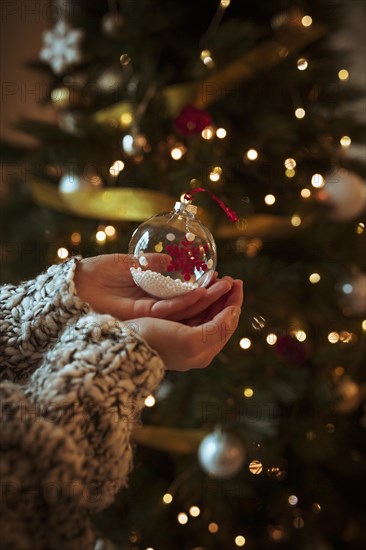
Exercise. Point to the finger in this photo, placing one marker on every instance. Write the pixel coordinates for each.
(209, 339)
(213, 293)
(231, 297)
(172, 308)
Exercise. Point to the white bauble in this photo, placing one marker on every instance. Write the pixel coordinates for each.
(345, 192)
(221, 454)
(354, 293)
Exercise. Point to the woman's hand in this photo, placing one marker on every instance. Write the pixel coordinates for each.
(193, 345)
(106, 283)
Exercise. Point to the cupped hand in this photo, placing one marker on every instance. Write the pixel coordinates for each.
(106, 283)
(194, 344)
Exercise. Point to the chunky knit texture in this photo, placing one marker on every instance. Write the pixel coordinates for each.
(74, 383)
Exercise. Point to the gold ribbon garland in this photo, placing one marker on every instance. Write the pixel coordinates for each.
(136, 205)
(169, 440)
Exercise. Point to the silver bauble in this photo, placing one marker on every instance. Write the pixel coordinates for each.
(221, 454)
(345, 192)
(112, 24)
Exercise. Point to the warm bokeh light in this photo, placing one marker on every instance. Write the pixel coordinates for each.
(271, 339)
(360, 228)
(298, 523)
(126, 119)
(300, 112)
(290, 173)
(194, 511)
(269, 199)
(176, 153)
(225, 3)
(150, 401)
(255, 467)
(245, 343)
(251, 154)
(110, 231)
(314, 278)
(345, 141)
(206, 58)
(333, 337)
(215, 173)
(240, 540)
(62, 253)
(75, 238)
(300, 335)
(307, 21)
(343, 74)
(290, 163)
(296, 220)
(100, 236)
(293, 500)
(213, 527)
(167, 498)
(305, 193)
(221, 133)
(207, 133)
(248, 392)
(182, 518)
(302, 64)
(339, 371)
(116, 167)
(317, 181)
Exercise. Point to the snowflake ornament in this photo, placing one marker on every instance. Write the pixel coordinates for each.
(61, 47)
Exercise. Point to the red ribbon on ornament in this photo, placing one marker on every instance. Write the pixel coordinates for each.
(233, 217)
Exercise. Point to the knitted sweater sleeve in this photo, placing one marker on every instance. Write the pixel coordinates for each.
(32, 315)
(67, 448)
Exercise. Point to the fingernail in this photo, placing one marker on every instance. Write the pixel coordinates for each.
(235, 312)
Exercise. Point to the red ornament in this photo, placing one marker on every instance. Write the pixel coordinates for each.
(191, 121)
(186, 257)
(291, 350)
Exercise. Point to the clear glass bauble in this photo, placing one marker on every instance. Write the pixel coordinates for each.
(174, 252)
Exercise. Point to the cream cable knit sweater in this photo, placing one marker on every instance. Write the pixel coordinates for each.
(73, 383)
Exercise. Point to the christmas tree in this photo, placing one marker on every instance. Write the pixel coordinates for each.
(266, 447)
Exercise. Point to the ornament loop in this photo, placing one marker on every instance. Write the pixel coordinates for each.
(231, 214)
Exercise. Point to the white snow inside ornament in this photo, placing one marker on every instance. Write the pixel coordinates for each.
(61, 47)
(221, 454)
(175, 253)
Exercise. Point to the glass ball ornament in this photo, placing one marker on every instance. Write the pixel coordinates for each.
(221, 454)
(174, 253)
